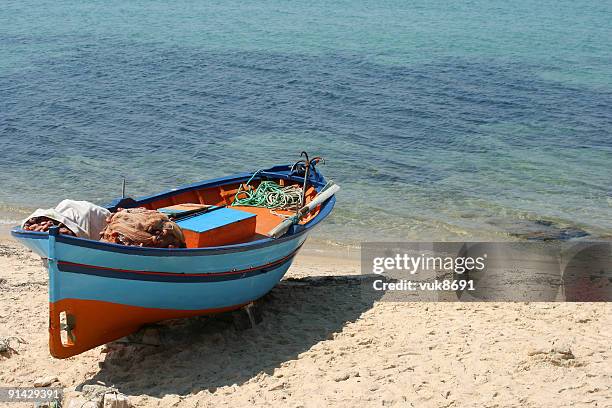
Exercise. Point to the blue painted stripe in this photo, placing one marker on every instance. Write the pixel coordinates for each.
(176, 276)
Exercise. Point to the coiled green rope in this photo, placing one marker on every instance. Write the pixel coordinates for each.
(269, 195)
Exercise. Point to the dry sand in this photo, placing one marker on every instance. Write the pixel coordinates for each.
(323, 343)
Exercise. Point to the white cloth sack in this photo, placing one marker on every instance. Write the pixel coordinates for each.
(83, 218)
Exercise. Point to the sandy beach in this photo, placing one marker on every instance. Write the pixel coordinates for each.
(322, 343)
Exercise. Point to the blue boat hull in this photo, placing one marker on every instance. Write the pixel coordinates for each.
(104, 291)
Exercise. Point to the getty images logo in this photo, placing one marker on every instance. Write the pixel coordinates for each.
(412, 264)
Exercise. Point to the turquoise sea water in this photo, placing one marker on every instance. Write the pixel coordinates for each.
(439, 120)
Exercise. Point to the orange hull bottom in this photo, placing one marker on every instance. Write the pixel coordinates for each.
(91, 323)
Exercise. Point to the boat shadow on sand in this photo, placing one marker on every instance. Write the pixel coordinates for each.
(205, 353)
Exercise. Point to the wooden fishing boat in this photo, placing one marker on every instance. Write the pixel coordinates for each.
(100, 292)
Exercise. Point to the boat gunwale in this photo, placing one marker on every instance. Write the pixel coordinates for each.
(296, 232)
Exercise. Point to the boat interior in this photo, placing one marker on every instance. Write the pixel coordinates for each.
(222, 196)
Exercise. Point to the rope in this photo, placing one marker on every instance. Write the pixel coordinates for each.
(268, 195)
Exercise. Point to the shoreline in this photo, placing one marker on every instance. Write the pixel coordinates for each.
(493, 228)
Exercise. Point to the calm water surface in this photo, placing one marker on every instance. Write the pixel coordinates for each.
(437, 120)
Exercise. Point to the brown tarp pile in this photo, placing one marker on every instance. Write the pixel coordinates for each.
(142, 227)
